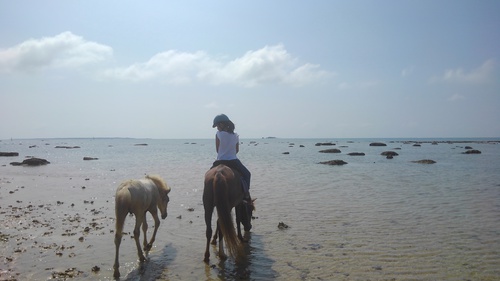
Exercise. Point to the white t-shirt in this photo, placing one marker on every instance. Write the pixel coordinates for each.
(227, 145)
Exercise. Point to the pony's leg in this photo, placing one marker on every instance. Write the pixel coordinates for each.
(157, 225)
(144, 231)
(208, 222)
(139, 219)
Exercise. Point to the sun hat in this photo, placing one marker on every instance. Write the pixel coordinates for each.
(220, 118)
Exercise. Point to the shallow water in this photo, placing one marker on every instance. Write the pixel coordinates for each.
(372, 219)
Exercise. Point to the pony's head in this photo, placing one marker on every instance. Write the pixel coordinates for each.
(163, 190)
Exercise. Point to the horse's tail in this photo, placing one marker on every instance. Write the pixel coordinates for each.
(225, 220)
(121, 210)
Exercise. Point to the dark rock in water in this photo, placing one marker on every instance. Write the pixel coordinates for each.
(334, 162)
(90, 158)
(378, 144)
(282, 225)
(141, 144)
(66, 147)
(389, 157)
(31, 162)
(333, 150)
(286, 152)
(417, 144)
(324, 143)
(389, 153)
(356, 154)
(472, 151)
(424, 161)
(468, 147)
(9, 154)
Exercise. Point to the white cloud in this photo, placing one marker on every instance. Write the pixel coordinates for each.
(479, 75)
(211, 105)
(63, 50)
(269, 65)
(407, 71)
(456, 97)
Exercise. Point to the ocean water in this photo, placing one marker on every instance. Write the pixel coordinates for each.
(371, 219)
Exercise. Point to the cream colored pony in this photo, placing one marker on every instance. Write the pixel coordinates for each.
(138, 197)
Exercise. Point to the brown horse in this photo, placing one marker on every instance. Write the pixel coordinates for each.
(223, 191)
(138, 197)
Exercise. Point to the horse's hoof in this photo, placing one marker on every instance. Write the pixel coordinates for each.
(116, 275)
(214, 242)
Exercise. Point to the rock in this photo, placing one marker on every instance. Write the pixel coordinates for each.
(356, 154)
(468, 147)
(90, 158)
(472, 151)
(324, 143)
(66, 147)
(424, 161)
(282, 225)
(389, 153)
(334, 162)
(286, 152)
(9, 154)
(333, 150)
(378, 144)
(31, 162)
(141, 144)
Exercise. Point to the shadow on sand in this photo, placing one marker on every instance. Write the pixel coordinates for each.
(154, 268)
(254, 265)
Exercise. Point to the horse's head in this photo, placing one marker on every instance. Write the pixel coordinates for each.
(164, 204)
(163, 191)
(247, 215)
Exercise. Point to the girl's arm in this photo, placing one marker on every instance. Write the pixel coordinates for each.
(217, 143)
(237, 147)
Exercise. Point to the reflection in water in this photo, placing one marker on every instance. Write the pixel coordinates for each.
(253, 265)
(155, 267)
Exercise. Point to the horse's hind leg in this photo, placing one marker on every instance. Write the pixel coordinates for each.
(208, 221)
(222, 255)
(214, 239)
(120, 219)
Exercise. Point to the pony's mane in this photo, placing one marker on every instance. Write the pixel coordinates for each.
(159, 182)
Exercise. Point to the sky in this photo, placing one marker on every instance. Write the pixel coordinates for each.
(283, 68)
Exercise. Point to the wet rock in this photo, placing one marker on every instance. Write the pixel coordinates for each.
(66, 147)
(282, 225)
(9, 154)
(472, 151)
(324, 143)
(424, 161)
(332, 150)
(286, 152)
(378, 144)
(141, 144)
(31, 162)
(356, 154)
(334, 162)
(90, 158)
(389, 153)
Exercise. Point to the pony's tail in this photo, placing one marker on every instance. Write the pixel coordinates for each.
(224, 213)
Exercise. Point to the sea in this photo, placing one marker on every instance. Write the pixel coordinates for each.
(373, 218)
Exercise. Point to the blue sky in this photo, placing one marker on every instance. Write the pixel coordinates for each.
(305, 69)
